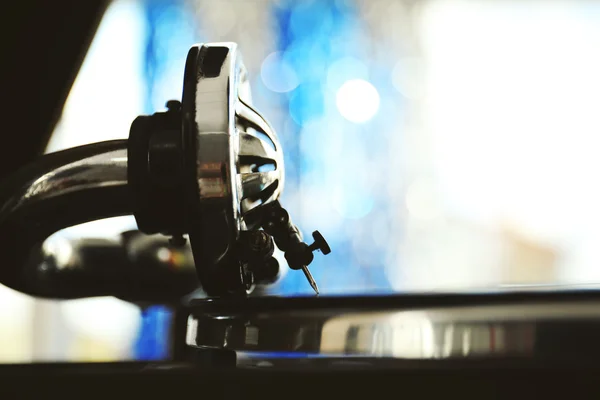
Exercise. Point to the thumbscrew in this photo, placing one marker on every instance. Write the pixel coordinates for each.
(319, 244)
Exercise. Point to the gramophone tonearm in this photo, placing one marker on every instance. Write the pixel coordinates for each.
(210, 167)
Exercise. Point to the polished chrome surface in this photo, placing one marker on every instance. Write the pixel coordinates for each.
(59, 190)
(530, 328)
(233, 139)
(238, 161)
(73, 171)
(101, 170)
(259, 147)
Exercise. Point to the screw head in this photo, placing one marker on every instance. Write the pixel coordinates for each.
(173, 105)
(320, 243)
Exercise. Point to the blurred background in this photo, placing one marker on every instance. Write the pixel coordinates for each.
(438, 145)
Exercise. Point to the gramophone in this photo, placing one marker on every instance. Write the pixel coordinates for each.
(203, 180)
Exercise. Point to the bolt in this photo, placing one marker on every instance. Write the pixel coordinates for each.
(173, 105)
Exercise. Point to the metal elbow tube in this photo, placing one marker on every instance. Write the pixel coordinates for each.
(59, 190)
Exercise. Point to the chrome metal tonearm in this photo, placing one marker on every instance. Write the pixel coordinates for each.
(210, 167)
(224, 162)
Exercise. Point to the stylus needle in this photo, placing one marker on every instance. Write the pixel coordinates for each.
(310, 279)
